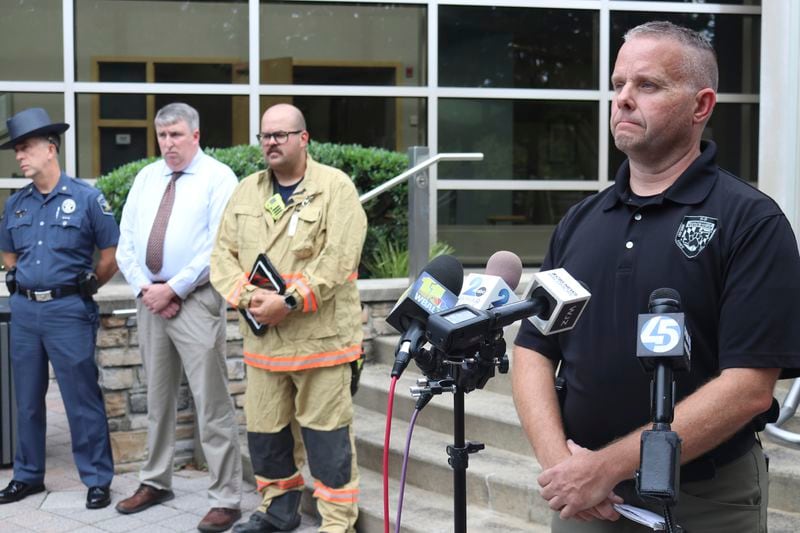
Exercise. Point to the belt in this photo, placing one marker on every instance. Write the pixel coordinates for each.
(45, 295)
(705, 467)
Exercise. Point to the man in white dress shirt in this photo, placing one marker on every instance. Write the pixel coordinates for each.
(168, 228)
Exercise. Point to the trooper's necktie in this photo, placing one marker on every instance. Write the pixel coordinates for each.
(155, 244)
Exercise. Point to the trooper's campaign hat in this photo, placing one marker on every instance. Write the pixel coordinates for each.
(31, 122)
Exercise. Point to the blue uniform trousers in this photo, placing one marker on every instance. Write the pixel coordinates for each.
(62, 331)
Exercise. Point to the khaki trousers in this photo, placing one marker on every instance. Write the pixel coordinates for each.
(194, 340)
(734, 501)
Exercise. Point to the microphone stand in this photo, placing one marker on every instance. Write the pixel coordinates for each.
(658, 477)
(463, 375)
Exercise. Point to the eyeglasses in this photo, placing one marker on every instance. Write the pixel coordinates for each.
(280, 137)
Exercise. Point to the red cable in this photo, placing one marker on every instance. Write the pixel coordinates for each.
(386, 441)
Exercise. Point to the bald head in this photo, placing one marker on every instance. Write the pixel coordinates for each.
(287, 114)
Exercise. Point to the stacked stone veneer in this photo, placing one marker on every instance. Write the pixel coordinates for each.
(124, 385)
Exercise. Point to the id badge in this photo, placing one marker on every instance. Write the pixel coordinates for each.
(293, 224)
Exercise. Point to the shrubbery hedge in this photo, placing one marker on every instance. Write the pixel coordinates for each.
(368, 168)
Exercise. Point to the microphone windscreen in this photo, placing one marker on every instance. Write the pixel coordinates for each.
(506, 265)
(665, 300)
(448, 271)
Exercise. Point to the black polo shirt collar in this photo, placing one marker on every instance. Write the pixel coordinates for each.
(691, 188)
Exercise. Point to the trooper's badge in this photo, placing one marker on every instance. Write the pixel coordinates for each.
(694, 234)
(68, 206)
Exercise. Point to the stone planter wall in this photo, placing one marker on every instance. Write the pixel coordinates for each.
(123, 380)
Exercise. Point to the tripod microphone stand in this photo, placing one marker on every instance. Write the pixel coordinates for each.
(460, 375)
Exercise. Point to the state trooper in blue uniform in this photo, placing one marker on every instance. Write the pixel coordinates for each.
(48, 233)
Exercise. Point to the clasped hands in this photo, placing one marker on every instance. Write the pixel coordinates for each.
(161, 300)
(267, 307)
(579, 488)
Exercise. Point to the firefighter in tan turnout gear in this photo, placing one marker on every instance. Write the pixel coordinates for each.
(307, 219)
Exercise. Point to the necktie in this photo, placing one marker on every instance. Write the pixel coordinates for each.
(155, 244)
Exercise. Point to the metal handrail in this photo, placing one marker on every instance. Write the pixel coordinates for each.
(788, 409)
(402, 177)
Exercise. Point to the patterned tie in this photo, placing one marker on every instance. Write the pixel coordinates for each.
(155, 244)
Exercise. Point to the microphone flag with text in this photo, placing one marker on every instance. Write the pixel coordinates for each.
(663, 335)
(496, 286)
(435, 290)
(553, 302)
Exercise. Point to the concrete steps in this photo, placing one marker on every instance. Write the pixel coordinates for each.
(502, 493)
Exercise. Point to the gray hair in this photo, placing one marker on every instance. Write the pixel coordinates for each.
(175, 112)
(700, 61)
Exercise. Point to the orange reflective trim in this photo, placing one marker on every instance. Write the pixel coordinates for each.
(299, 282)
(335, 495)
(353, 276)
(236, 293)
(303, 362)
(284, 484)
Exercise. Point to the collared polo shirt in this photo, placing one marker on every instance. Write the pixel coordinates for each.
(55, 236)
(722, 244)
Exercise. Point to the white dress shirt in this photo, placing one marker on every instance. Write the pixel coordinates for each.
(201, 194)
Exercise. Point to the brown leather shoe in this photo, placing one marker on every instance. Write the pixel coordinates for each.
(219, 519)
(144, 498)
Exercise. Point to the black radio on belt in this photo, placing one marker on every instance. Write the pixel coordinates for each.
(11, 280)
(87, 284)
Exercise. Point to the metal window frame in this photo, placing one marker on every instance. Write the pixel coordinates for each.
(431, 91)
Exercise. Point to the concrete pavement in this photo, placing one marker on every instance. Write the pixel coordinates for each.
(61, 509)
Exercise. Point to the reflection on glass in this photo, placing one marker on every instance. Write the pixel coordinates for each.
(520, 139)
(110, 135)
(31, 40)
(13, 103)
(519, 48)
(343, 44)
(478, 223)
(382, 122)
(736, 38)
(734, 129)
(176, 40)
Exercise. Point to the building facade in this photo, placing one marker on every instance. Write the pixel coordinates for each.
(523, 81)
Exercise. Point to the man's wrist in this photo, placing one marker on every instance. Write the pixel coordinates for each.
(290, 301)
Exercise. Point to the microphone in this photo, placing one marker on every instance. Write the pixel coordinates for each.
(432, 292)
(554, 301)
(662, 346)
(495, 287)
(662, 333)
(561, 298)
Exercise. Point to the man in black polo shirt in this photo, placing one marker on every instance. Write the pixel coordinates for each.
(672, 219)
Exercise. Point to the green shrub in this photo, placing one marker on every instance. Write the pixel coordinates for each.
(368, 167)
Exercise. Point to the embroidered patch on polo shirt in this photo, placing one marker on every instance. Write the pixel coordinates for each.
(694, 234)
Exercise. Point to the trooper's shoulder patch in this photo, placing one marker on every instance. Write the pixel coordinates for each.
(694, 234)
(105, 207)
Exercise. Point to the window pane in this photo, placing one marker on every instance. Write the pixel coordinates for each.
(731, 2)
(519, 48)
(343, 44)
(478, 223)
(390, 123)
(520, 139)
(176, 40)
(109, 137)
(32, 40)
(736, 39)
(734, 128)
